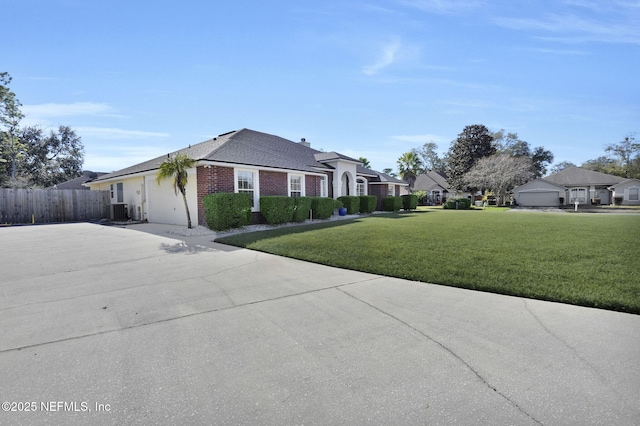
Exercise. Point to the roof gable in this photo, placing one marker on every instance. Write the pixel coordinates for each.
(431, 180)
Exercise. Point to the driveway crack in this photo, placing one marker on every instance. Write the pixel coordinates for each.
(572, 349)
(447, 349)
(193, 314)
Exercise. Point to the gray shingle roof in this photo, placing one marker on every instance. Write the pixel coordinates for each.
(77, 183)
(250, 148)
(431, 180)
(246, 147)
(574, 176)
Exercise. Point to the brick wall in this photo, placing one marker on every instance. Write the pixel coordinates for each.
(212, 180)
(379, 191)
(221, 179)
(273, 183)
(313, 187)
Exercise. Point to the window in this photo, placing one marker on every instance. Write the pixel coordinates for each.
(111, 186)
(634, 194)
(361, 187)
(245, 183)
(295, 186)
(391, 191)
(578, 194)
(323, 186)
(120, 192)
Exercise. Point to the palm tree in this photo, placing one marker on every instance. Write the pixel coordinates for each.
(409, 166)
(176, 168)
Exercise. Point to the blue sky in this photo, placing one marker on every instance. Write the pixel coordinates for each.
(372, 78)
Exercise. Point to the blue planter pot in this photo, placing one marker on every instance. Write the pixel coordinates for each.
(342, 211)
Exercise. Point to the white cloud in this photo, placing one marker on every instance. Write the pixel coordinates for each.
(388, 55)
(573, 29)
(120, 157)
(112, 133)
(67, 110)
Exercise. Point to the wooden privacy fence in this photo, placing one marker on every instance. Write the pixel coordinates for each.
(52, 205)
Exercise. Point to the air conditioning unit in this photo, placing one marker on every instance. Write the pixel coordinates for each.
(119, 212)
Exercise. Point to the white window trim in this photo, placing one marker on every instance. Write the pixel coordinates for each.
(391, 190)
(572, 200)
(629, 193)
(256, 186)
(302, 183)
(323, 187)
(362, 181)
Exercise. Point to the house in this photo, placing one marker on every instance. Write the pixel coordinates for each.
(79, 182)
(566, 187)
(247, 161)
(627, 192)
(435, 185)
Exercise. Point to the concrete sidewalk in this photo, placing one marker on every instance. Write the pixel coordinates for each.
(109, 325)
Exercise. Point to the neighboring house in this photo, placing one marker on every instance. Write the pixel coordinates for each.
(437, 188)
(78, 183)
(435, 185)
(628, 190)
(539, 193)
(247, 161)
(568, 186)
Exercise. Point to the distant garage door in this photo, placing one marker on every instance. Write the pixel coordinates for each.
(539, 199)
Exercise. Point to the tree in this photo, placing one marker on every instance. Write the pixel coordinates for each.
(176, 168)
(603, 164)
(409, 167)
(474, 143)
(509, 143)
(627, 151)
(389, 171)
(430, 158)
(561, 166)
(499, 173)
(365, 162)
(10, 117)
(51, 159)
(540, 159)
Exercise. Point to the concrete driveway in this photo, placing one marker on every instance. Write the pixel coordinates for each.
(106, 325)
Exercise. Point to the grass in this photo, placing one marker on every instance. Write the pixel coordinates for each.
(589, 260)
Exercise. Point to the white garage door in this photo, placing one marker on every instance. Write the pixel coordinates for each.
(164, 206)
(539, 199)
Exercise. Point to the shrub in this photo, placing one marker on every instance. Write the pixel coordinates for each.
(392, 204)
(277, 209)
(351, 203)
(226, 210)
(462, 203)
(368, 203)
(421, 196)
(409, 202)
(302, 207)
(323, 207)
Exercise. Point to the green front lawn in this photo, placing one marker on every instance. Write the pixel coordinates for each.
(590, 260)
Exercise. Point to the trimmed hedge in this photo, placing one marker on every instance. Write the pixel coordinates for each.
(368, 203)
(351, 203)
(277, 209)
(322, 207)
(409, 202)
(392, 204)
(302, 207)
(226, 210)
(463, 203)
